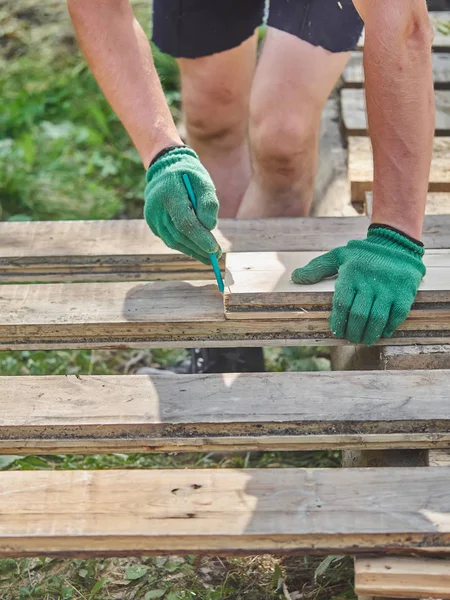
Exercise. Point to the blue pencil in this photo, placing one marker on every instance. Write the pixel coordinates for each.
(213, 257)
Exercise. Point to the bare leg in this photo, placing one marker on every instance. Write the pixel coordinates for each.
(215, 94)
(292, 83)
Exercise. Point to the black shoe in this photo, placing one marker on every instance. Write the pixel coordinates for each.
(223, 360)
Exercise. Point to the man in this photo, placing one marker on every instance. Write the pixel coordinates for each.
(270, 171)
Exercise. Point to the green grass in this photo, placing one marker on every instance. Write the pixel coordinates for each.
(64, 155)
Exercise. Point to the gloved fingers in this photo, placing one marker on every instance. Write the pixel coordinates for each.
(358, 316)
(342, 302)
(377, 321)
(188, 242)
(317, 269)
(170, 240)
(186, 223)
(207, 202)
(398, 314)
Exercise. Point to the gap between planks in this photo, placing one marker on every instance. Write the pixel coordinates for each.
(91, 414)
(134, 512)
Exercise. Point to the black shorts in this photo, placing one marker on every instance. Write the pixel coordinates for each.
(194, 28)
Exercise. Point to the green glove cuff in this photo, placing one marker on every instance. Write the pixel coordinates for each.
(169, 158)
(389, 237)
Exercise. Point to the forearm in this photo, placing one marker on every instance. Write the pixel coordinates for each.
(400, 108)
(120, 57)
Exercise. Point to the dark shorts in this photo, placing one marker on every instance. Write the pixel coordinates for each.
(194, 28)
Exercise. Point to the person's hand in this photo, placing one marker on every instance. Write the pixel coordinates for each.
(168, 210)
(377, 282)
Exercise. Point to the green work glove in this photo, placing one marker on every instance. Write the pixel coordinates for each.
(377, 282)
(168, 210)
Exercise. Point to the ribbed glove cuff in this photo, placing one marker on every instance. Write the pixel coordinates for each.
(168, 157)
(390, 237)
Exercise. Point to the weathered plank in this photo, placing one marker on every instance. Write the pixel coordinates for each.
(353, 75)
(160, 314)
(224, 510)
(353, 104)
(440, 21)
(360, 165)
(127, 250)
(403, 577)
(415, 357)
(258, 284)
(223, 412)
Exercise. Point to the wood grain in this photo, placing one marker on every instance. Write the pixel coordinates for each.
(441, 41)
(415, 357)
(224, 510)
(353, 104)
(258, 284)
(155, 315)
(224, 411)
(360, 166)
(403, 577)
(353, 75)
(127, 250)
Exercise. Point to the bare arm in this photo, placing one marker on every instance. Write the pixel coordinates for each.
(120, 57)
(400, 108)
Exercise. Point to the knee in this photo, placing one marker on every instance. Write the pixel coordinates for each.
(284, 145)
(215, 115)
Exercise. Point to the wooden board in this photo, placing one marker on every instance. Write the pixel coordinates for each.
(353, 75)
(353, 104)
(167, 314)
(248, 411)
(441, 42)
(403, 577)
(224, 511)
(415, 357)
(360, 166)
(127, 250)
(258, 284)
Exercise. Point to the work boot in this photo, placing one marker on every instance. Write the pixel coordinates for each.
(223, 360)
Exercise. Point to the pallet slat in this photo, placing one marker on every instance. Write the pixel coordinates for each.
(224, 510)
(258, 284)
(353, 75)
(127, 250)
(353, 104)
(224, 412)
(160, 314)
(360, 165)
(403, 577)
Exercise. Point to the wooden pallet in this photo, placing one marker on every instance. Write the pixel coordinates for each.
(75, 513)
